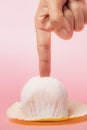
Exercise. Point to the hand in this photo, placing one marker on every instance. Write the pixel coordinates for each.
(61, 16)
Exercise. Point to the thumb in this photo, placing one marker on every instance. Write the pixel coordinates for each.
(60, 24)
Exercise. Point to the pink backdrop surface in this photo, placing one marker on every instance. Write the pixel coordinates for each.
(19, 60)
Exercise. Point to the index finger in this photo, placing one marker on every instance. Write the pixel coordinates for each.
(44, 51)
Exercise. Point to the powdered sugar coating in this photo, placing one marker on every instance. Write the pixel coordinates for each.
(44, 97)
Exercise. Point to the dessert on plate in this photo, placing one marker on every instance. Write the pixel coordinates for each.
(45, 99)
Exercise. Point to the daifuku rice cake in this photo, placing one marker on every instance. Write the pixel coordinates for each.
(45, 99)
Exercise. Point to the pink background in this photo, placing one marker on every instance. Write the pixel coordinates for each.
(19, 60)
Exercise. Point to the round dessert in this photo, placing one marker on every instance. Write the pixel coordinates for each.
(44, 97)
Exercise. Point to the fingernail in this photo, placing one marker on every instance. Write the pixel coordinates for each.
(63, 32)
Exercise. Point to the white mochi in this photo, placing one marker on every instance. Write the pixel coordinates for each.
(44, 97)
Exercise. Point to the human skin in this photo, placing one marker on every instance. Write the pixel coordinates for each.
(62, 17)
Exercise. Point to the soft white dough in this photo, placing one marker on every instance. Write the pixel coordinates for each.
(44, 97)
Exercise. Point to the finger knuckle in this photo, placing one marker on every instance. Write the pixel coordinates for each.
(54, 21)
(76, 5)
(44, 46)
